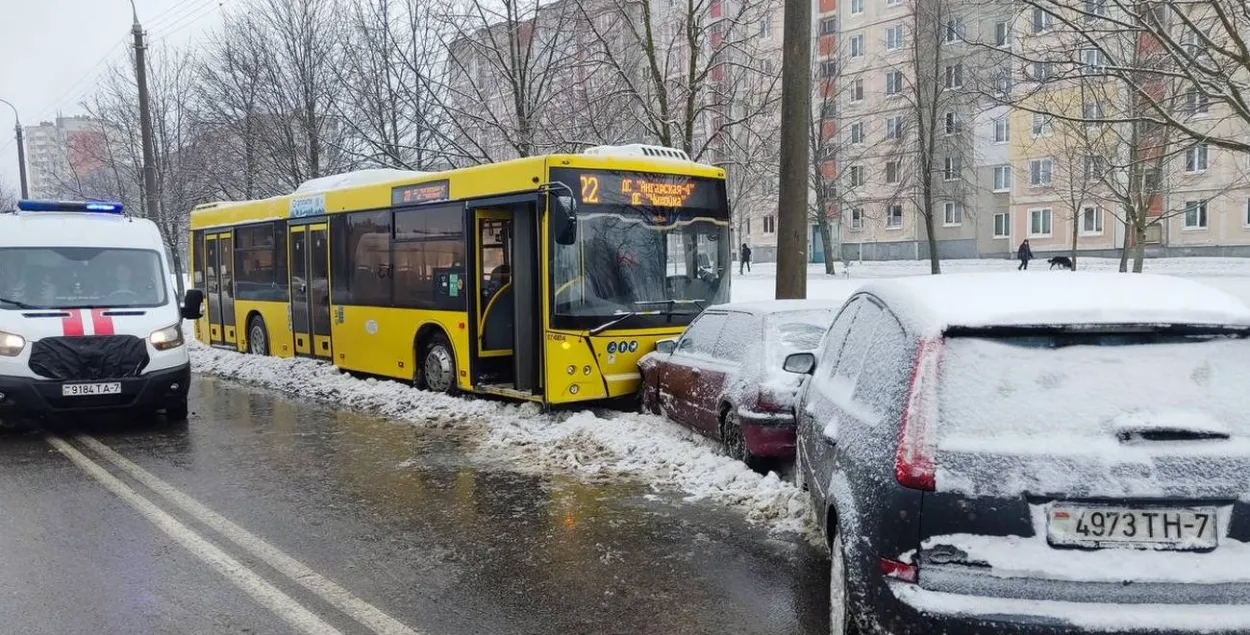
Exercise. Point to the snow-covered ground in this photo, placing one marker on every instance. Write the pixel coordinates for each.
(592, 444)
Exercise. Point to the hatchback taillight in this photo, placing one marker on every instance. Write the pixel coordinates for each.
(913, 464)
(771, 401)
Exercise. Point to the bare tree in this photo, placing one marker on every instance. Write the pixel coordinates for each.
(8, 198)
(506, 64)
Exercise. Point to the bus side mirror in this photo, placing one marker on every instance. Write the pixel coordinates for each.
(562, 218)
(191, 305)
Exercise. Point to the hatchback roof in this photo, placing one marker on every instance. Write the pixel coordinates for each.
(765, 307)
(932, 304)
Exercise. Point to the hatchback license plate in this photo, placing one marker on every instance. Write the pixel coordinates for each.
(1179, 529)
(88, 390)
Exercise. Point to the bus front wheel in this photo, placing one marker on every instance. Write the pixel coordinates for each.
(437, 372)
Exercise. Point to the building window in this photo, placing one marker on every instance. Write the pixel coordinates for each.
(1042, 20)
(1002, 34)
(766, 27)
(891, 3)
(1039, 222)
(1196, 158)
(1002, 130)
(894, 38)
(828, 68)
(951, 123)
(951, 169)
(1091, 61)
(857, 218)
(891, 172)
(857, 90)
(1040, 71)
(1091, 112)
(1043, 125)
(1002, 178)
(954, 30)
(857, 46)
(1246, 219)
(1003, 84)
(829, 26)
(895, 217)
(770, 224)
(1002, 225)
(1041, 171)
(857, 132)
(857, 7)
(893, 82)
(1091, 220)
(955, 76)
(856, 173)
(952, 214)
(1197, 103)
(1094, 9)
(1195, 214)
(1095, 167)
(894, 128)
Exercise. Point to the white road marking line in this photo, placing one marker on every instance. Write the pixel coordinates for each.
(266, 594)
(356, 608)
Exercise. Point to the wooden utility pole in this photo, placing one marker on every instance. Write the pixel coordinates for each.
(796, 102)
(21, 148)
(151, 196)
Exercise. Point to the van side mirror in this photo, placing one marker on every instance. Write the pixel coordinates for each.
(800, 363)
(191, 305)
(666, 347)
(562, 217)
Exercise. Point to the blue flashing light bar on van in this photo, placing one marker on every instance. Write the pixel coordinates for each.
(69, 206)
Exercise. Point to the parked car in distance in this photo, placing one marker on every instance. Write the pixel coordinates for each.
(723, 376)
(989, 454)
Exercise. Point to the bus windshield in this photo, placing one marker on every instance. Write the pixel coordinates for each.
(651, 250)
(80, 277)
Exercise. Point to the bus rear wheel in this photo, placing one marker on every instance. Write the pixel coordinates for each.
(257, 336)
(437, 372)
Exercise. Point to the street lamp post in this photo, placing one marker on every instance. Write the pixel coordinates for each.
(21, 147)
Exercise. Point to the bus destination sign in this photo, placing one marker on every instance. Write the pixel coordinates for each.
(643, 190)
(421, 193)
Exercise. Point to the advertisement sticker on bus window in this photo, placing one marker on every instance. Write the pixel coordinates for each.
(421, 193)
(308, 206)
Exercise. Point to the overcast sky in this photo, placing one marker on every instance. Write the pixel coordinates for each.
(53, 49)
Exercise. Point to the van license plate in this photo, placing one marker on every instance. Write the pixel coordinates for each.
(87, 390)
(1179, 529)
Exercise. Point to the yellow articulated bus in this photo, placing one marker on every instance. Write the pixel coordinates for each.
(543, 278)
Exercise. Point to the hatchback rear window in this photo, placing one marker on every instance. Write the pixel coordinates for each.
(1060, 387)
(795, 332)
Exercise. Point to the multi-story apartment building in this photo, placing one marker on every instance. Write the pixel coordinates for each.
(917, 139)
(61, 152)
(1054, 159)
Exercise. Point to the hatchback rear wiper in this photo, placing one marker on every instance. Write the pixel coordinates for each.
(21, 305)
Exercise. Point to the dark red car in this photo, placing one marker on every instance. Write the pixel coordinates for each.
(723, 376)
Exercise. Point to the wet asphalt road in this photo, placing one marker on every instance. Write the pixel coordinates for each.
(400, 520)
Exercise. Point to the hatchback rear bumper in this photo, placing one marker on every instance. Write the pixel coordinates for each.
(768, 435)
(908, 609)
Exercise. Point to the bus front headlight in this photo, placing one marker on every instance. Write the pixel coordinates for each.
(11, 345)
(166, 338)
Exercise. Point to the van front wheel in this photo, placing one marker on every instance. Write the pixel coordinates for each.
(177, 410)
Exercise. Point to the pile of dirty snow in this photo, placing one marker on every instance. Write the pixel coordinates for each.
(584, 444)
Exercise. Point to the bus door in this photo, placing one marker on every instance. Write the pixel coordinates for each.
(506, 305)
(219, 287)
(310, 290)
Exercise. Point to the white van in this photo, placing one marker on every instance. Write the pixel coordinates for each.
(89, 315)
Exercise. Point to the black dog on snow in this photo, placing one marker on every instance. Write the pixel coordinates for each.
(1060, 261)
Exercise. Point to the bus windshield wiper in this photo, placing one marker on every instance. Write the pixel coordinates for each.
(670, 303)
(21, 305)
(621, 317)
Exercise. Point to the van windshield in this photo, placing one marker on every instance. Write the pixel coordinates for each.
(80, 277)
(1051, 386)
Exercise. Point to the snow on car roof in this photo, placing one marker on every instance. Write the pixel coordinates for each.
(779, 306)
(932, 304)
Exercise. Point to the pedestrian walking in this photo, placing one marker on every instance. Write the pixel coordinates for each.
(744, 259)
(1025, 254)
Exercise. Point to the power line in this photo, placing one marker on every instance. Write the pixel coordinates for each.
(171, 29)
(87, 78)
